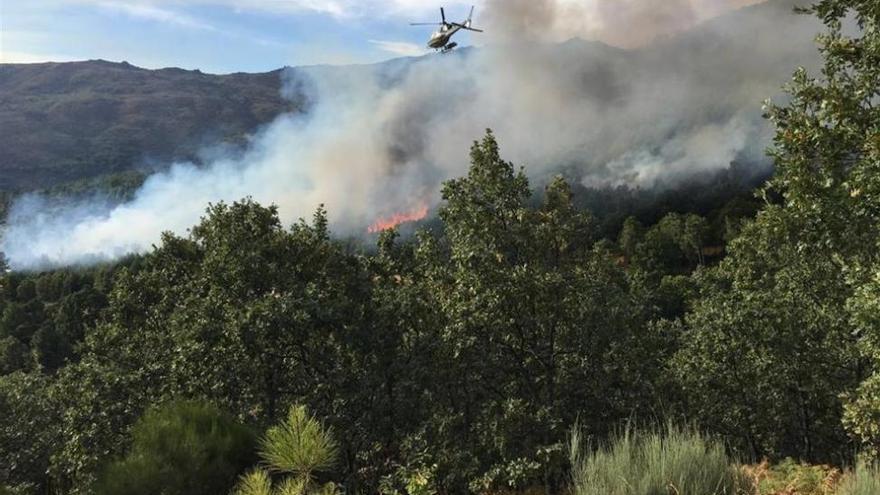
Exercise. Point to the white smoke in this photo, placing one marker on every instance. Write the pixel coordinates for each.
(379, 139)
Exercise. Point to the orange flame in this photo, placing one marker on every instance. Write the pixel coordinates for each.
(385, 223)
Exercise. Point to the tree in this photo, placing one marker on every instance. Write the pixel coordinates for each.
(630, 237)
(13, 355)
(29, 432)
(828, 158)
(298, 447)
(674, 246)
(181, 448)
(241, 312)
(767, 349)
(773, 342)
(538, 323)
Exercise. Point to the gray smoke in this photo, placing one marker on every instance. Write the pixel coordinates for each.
(622, 23)
(379, 139)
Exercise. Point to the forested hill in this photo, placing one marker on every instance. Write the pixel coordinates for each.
(68, 121)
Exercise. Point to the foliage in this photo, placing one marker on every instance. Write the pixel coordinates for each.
(793, 478)
(255, 482)
(451, 361)
(181, 448)
(671, 460)
(458, 359)
(298, 447)
(537, 322)
(862, 415)
(773, 343)
(29, 432)
(674, 245)
(828, 158)
(43, 316)
(863, 480)
(768, 348)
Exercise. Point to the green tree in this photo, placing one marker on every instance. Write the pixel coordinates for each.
(828, 158)
(537, 322)
(242, 312)
(29, 432)
(774, 339)
(630, 237)
(674, 246)
(181, 448)
(768, 348)
(298, 448)
(49, 348)
(13, 355)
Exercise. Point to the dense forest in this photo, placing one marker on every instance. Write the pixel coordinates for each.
(519, 344)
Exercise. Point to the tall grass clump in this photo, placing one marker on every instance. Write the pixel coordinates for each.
(659, 461)
(863, 480)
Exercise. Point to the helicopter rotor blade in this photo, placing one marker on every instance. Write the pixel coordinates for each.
(426, 24)
(463, 26)
(443, 15)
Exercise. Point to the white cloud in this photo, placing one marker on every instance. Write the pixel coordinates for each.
(347, 8)
(397, 8)
(8, 57)
(148, 11)
(164, 9)
(402, 48)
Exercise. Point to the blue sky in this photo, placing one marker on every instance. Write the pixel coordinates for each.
(217, 36)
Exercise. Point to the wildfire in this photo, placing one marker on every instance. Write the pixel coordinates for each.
(385, 223)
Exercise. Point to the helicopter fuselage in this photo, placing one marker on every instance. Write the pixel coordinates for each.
(440, 39)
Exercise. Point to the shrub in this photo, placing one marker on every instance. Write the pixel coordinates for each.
(671, 461)
(863, 480)
(792, 477)
(185, 448)
(298, 447)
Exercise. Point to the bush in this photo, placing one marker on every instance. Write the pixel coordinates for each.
(298, 447)
(864, 480)
(792, 477)
(673, 461)
(183, 448)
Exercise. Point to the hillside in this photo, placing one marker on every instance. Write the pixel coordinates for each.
(64, 122)
(67, 121)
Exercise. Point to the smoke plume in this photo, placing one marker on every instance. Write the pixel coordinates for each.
(379, 140)
(622, 23)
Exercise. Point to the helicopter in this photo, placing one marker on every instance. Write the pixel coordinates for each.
(440, 40)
